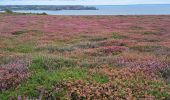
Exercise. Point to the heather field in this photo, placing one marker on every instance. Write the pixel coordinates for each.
(84, 57)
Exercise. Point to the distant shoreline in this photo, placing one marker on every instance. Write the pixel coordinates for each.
(149, 9)
(46, 7)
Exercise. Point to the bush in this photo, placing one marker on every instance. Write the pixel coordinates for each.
(8, 11)
(13, 73)
(18, 32)
(43, 13)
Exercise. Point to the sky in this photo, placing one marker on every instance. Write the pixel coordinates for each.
(81, 2)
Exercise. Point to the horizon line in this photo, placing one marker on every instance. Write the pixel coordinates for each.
(78, 5)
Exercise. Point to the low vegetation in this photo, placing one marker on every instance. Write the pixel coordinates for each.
(84, 57)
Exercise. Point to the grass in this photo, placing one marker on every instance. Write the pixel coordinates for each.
(98, 38)
(50, 63)
(150, 33)
(101, 78)
(46, 72)
(117, 36)
(69, 47)
(22, 48)
(46, 80)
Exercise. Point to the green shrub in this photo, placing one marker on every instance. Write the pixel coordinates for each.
(18, 32)
(43, 13)
(8, 11)
(166, 75)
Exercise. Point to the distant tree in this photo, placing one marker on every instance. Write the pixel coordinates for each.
(8, 11)
(43, 13)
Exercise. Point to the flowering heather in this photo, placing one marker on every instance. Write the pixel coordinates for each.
(13, 73)
(84, 57)
(137, 60)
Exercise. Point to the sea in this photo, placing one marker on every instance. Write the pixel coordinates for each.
(144, 9)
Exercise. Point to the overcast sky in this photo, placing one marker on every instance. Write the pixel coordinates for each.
(81, 2)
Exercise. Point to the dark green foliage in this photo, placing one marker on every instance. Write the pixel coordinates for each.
(43, 13)
(25, 31)
(8, 11)
(150, 32)
(18, 32)
(166, 74)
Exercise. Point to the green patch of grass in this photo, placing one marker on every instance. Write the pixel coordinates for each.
(101, 78)
(51, 63)
(158, 94)
(145, 48)
(69, 48)
(98, 38)
(117, 36)
(46, 80)
(66, 48)
(22, 48)
(152, 40)
(157, 31)
(150, 32)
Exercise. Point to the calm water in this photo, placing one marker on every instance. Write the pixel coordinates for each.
(112, 10)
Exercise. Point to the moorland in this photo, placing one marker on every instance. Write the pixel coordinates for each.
(84, 57)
